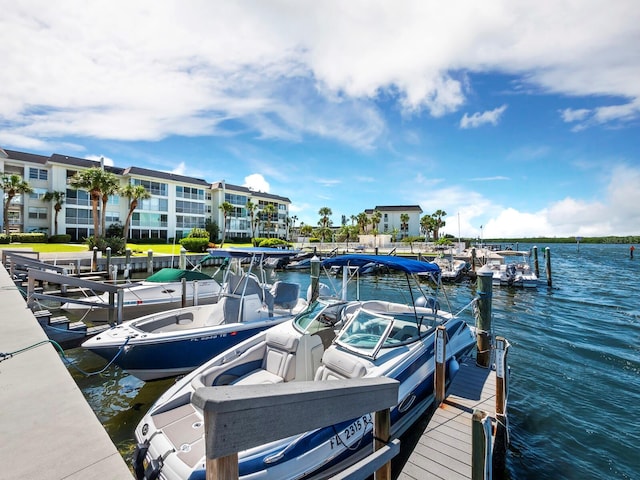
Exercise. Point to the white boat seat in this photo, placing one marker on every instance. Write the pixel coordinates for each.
(278, 363)
(285, 294)
(339, 365)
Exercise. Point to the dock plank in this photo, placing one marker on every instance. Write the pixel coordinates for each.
(444, 449)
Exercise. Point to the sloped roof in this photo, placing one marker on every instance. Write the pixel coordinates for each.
(394, 208)
(26, 157)
(144, 172)
(237, 188)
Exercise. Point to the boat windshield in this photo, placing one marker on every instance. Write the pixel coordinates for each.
(368, 331)
(322, 314)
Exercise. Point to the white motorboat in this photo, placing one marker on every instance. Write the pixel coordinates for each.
(332, 339)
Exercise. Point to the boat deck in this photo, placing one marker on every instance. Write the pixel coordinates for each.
(444, 449)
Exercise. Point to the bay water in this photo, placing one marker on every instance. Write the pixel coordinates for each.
(574, 360)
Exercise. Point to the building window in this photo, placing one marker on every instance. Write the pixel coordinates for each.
(38, 174)
(37, 213)
(154, 204)
(77, 197)
(189, 192)
(182, 206)
(235, 199)
(38, 194)
(154, 188)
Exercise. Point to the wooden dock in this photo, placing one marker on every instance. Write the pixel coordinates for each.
(444, 450)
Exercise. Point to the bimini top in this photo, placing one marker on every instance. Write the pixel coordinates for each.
(248, 252)
(166, 275)
(406, 265)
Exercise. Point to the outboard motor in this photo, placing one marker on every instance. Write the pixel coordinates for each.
(423, 301)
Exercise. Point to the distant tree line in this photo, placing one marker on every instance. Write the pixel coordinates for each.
(610, 239)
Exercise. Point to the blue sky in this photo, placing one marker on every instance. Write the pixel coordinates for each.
(520, 117)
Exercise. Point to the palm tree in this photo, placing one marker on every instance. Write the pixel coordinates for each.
(134, 193)
(294, 219)
(427, 225)
(375, 220)
(227, 209)
(58, 200)
(93, 180)
(110, 186)
(305, 231)
(438, 222)
(404, 220)
(251, 210)
(12, 185)
(325, 213)
(269, 209)
(363, 221)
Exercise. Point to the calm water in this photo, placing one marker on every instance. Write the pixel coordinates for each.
(575, 363)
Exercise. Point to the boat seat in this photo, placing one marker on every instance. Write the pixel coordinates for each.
(278, 363)
(339, 365)
(406, 332)
(285, 294)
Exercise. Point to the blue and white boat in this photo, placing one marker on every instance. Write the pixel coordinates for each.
(332, 339)
(176, 341)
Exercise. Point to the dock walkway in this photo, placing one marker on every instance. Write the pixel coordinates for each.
(444, 450)
(47, 429)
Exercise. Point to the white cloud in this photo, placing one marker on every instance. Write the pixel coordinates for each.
(256, 182)
(478, 119)
(148, 70)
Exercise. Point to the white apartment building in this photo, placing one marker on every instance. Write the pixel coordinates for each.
(391, 219)
(178, 203)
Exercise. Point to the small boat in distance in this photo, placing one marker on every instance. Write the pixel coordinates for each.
(332, 339)
(174, 342)
(513, 270)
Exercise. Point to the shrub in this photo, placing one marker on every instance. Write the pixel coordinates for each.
(196, 245)
(29, 237)
(314, 240)
(198, 233)
(62, 238)
(273, 242)
(4, 238)
(117, 244)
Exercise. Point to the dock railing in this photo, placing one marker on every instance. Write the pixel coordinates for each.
(488, 444)
(243, 417)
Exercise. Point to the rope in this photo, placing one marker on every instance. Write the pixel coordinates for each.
(470, 304)
(6, 356)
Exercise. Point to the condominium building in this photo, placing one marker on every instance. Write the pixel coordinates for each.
(178, 203)
(391, 217)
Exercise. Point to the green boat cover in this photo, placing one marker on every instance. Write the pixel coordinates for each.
(166, 275)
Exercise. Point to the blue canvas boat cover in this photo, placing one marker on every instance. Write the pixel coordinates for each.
(406, 265)
(249, 252)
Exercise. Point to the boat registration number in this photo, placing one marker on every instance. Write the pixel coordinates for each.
(353, 431)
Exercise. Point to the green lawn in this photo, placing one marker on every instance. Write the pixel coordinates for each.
(136, 249)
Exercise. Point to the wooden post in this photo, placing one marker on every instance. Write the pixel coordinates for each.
(441, 355)
(473, 259)
(223, 468)
(501, 376)
(108, 260)
(315, 278)
(112, 308)
(480, 446)
(536, 265)
(381, 429)
(150, 262)
(184, 292)
(183, 258)
(94, 259)
(483, 322)
(31, 288)
(547, 256)
(196, 289)
(120, 307)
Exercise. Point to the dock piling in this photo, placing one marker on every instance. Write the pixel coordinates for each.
(440, 372)
(547, 257)
(483, 320)
(536, 265)
(150, 262)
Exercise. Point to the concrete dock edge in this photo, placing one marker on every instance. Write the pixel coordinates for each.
(47, 429)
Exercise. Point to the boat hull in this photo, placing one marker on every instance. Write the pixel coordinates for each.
(174, 356)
